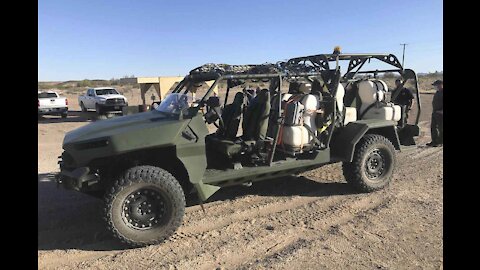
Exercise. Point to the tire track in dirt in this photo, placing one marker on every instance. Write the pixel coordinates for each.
(289, 225)
(427, 152)
(305, 244)
(286, 229)
(262, 208)
(330, 229)
(219, 233)
(52, 260)
(240, 207)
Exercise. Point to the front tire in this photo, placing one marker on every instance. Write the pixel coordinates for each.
(98, 109)
(373, 164)
(82, 106)
(145, 206)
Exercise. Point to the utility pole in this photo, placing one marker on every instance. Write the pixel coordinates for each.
(403, 56)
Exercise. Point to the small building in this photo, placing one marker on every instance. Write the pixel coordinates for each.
(161, 85)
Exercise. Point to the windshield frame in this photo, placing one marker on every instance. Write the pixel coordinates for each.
(170, 101)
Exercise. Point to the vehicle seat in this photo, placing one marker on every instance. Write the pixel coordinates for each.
(231, 116)
(255, 124)
(373, 105)
(255, 118)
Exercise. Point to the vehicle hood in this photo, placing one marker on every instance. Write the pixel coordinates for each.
(109, 96)
(141, 128)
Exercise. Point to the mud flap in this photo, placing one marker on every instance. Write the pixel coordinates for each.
(344, 141)
(406, 134)
(205, 191)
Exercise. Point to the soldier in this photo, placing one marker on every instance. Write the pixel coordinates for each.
(436, 125)
(403, 97)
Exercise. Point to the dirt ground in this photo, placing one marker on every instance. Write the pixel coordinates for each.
(314, 221)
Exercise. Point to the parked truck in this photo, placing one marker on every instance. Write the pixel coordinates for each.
(102, 100)
(50, 103)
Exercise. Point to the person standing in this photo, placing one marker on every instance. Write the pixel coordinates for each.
(403, 97)
(436, 125)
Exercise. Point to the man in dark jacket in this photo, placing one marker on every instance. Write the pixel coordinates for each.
(403, 97)
(436, 125)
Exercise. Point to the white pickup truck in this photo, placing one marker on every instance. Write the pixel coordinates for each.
(102, 99)
(50, 103)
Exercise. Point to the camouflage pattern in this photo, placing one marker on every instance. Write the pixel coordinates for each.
(225, 69)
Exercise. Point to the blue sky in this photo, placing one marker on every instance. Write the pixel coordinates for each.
(111, 39)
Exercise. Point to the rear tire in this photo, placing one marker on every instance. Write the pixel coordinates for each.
(64, 115)
(373, 164)
(145, 206)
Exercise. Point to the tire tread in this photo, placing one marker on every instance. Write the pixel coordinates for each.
(149, 174)
(352, 171)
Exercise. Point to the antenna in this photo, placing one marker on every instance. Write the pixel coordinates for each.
(403, 56)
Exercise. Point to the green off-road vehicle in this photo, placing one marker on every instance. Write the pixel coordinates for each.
(304, 114)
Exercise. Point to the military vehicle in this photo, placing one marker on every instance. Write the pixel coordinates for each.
(144, 164)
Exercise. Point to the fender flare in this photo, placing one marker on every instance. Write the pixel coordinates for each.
(346, 138)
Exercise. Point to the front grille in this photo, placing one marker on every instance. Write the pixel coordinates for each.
(115, 101)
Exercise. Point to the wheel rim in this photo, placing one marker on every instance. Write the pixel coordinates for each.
(145, 209)
(375, 164)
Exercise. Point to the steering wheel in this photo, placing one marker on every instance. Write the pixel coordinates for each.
(213, 111)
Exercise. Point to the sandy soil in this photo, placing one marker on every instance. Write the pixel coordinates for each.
(314, 221)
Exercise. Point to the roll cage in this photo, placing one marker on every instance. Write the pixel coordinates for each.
(304, 66)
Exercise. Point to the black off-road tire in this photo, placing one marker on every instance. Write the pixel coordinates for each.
(82, 106)
(369, 150)
(134, 181)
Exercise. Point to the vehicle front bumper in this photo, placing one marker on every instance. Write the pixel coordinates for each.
(52, 111)
(76, 179)
(111, 107)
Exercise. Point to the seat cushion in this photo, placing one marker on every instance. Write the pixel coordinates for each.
(228, 148)
(225, 147)
(388, 112)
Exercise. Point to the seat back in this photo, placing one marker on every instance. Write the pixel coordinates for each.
(255, 118)
(231, 117)
(370, 92)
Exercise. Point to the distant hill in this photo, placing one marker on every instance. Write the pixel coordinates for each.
(66, 85)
